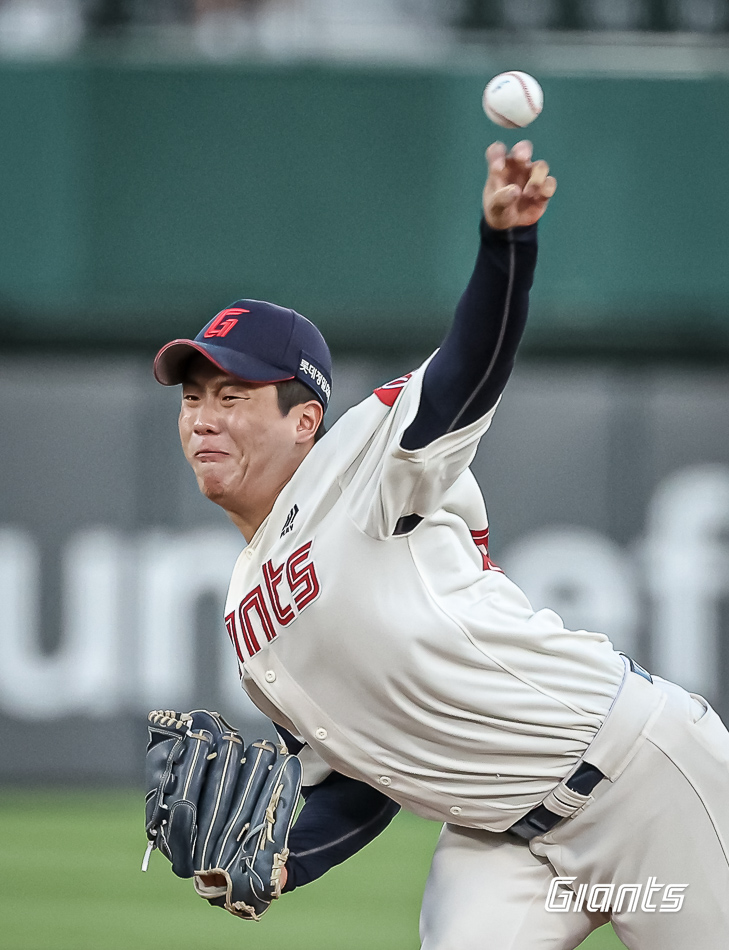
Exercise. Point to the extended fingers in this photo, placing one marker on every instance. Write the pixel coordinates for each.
(496, 157)
(541, 183)
(518, 163)
(522, 152)
(549, 187)
(518, 189)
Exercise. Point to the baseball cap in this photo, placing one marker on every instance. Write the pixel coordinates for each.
(258, 342)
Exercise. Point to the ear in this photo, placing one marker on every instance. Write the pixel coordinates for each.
(310, 415)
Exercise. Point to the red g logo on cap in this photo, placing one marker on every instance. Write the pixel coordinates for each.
(222, 327)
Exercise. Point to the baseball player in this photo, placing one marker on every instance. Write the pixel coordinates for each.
(405, 669)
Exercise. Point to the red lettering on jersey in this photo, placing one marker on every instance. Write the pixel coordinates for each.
(222, 327)
(390, 391)
(254, 603)
(481, 540)
(304, 588)
(233, 634)
(283, 612)
(304, 577)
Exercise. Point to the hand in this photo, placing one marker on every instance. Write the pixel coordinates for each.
(284, 876)
(517, 190)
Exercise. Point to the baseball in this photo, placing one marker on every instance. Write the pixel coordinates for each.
(513, 99)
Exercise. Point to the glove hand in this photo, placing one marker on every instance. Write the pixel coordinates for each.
(178, 755)
(245, 875)
(220, 812)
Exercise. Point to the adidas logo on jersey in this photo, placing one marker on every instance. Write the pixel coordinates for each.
(289, 523)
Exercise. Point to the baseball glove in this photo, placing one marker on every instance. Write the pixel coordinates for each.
(220, 812)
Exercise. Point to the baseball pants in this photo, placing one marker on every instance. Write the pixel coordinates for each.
(660, 822)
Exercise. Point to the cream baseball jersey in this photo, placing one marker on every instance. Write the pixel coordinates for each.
(368, 619)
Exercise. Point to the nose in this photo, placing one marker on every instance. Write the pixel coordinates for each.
(205, 428)
(205, 421)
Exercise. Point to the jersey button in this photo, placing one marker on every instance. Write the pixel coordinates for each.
(385, 780)
(321, 733)
(270, 676)
(456, 810)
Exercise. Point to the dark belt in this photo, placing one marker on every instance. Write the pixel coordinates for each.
(583, 780)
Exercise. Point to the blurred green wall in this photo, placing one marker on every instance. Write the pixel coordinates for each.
(138, 199)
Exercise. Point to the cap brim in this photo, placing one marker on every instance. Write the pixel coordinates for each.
(171, 362)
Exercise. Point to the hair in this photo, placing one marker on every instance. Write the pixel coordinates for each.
(292, 392)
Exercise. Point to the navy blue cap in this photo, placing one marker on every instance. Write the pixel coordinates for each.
(258, 342)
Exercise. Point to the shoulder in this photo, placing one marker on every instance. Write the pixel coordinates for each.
(388, 393)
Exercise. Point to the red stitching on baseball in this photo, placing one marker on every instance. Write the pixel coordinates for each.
(525, 89)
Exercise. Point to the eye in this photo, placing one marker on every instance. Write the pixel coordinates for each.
(231, 397)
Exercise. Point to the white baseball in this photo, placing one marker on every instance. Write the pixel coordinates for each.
(513, 99)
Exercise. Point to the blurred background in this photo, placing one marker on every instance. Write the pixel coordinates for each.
(161, 158)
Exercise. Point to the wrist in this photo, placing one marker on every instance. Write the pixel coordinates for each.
(522, 234)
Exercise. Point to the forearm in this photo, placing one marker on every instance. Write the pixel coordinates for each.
(468, 374)
(339, 818)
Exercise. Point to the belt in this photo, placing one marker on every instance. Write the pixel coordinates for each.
(583, 780)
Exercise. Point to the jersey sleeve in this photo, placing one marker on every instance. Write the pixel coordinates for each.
(390, 488)
(470, 370)
(340, 816)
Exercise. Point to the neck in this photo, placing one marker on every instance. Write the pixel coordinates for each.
(248, 523)
(249, 513)
(249, 518)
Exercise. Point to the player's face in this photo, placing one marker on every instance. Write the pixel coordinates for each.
(240, 446)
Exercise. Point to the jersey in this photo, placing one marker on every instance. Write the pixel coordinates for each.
(368, 618)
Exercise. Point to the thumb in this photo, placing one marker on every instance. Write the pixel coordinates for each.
(504, 197)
